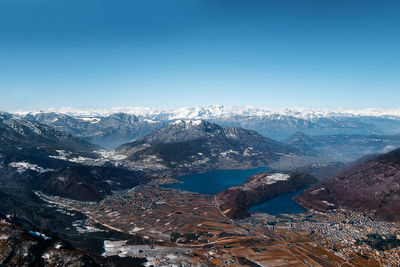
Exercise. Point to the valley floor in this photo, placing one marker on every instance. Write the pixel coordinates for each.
(186, 228)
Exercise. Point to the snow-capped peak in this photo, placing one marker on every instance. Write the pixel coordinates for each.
(219, 111)
(187, 122)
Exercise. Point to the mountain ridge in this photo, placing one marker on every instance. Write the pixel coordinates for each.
(197, 146)
(371, 184)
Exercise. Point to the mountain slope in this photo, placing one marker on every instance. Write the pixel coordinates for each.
(23, 139)
(88, 183)
(372, 185)
(197, 146)
(109, 131)
(28, 149)
(34, 156)
(21, 247)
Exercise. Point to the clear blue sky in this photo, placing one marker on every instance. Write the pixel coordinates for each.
(172, 53)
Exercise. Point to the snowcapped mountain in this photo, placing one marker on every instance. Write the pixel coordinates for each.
(108, 131)
(190, 146)
(113, 127)
(217, 111)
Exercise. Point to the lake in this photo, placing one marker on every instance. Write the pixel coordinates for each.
(214, 181)
(281, 204)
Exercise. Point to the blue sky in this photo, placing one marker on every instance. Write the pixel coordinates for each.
(101, 54)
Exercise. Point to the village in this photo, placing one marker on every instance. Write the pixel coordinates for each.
(346, 233)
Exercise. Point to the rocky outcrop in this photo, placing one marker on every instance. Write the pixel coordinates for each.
(371, 185)
(235, 201)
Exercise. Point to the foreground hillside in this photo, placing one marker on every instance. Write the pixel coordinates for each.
(20, 247)
(198, 146)
(34, 156)
(372, 185)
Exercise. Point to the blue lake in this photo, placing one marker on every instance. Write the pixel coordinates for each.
(281, 204)
(214, 181)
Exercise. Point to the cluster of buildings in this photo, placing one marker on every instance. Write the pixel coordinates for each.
(343, 232)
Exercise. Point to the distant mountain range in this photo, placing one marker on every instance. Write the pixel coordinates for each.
(110, 131)
(111, 128)
(343, 147)
(322, 136)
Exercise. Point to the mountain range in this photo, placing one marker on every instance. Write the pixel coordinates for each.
(111, 128)
(344, 147)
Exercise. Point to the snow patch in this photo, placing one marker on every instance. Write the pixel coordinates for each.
(24, 166)
(91, 120)
(111, 155)
(328, 203)
(229, 152)
(275, 177)
(187, 122)
(136, 229)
